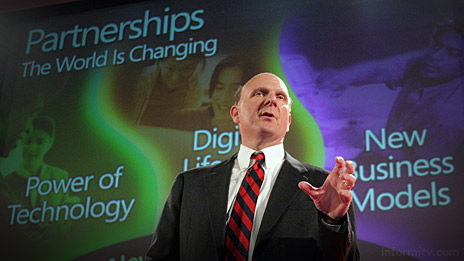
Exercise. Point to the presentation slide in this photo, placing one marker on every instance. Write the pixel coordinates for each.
(102, 108)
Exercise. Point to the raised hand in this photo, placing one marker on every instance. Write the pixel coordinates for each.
(334, 197)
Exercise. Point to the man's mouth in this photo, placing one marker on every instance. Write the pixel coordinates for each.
(267, 115)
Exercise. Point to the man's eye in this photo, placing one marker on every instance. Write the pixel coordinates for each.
(280, 97)
(259, 94)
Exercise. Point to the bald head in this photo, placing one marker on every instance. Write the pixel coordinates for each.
(261, 76)
(262, 111)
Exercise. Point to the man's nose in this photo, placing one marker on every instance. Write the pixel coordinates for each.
(271, 100)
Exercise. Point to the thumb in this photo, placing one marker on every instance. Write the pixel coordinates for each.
(309, 189)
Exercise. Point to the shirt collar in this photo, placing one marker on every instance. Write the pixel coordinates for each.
(273, 156)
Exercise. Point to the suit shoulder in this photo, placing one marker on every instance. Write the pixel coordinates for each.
(196, 171)
(204, 170)
(315, 174)
(316, 170)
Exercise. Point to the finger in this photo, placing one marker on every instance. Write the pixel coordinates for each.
(345, 196)
(309, 189)
(348, 181)
(351, 179)
(339, 166)
(349, 167)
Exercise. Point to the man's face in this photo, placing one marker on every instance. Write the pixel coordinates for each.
(263, 109)
(444, 59)
(227, 84)
(36, 145)
(177, 74)
(23, 111)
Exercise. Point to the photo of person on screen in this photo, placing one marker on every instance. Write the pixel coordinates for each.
(228, 75)
(18, 109)
(167, 86)
(36, 144)
(431, 95)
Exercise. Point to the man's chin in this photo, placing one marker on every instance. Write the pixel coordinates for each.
(269, 127)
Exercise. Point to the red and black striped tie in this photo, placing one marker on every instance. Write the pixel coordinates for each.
(241, 219)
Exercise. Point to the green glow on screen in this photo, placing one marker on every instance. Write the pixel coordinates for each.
(304, 140)
(148, 186)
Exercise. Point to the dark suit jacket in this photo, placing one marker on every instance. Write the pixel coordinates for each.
(193, 222)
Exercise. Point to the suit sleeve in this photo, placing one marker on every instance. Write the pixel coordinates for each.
(341, 245)
(165, 243)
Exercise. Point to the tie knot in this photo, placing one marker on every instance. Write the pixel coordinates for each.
(258, 156)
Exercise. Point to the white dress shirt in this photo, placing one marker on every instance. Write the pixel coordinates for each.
(274, 157)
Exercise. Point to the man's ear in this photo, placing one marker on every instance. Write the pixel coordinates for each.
(289, 121)
(234, 114)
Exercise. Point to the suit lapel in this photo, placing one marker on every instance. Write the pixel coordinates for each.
(283, 193)
(216, 194)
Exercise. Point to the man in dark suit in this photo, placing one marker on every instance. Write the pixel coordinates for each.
(286, 223)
